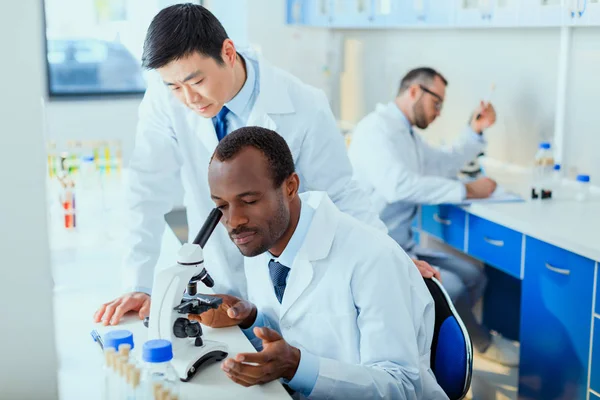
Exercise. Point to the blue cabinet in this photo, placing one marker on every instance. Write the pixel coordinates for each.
(473, 13)
(584, 13)
(296, 12)
(352, 13)
(542, 13)
(505, 13)
(592, 13)
(595, 373)
(446, 223)
(490, 13)
(556, 310)
(426, 13)
(318, 12)
(496, 245)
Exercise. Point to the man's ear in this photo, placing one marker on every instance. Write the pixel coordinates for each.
(228, 52)
(292, 185)
(413, 90)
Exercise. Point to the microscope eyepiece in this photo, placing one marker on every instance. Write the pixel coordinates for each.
(201, 238)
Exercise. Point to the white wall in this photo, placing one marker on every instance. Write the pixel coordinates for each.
(27, 347)
(582, 132)
(308, 53)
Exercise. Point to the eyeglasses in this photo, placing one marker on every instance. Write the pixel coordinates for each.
(439, 103)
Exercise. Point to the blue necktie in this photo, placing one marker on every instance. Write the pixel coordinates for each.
(220, 122)
(278, 274)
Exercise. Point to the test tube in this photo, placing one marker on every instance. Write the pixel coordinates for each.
(128, 391)
(124, 349)
(135, 382)
(108, 372)
(107, 156)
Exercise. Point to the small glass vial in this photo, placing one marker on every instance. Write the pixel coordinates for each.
(582, 191)
(543, 168)
(109, 373)
(159, 377)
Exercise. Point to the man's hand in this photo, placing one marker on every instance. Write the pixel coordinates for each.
(481, 188)
(426, 270)
(277, 360)
(112, 312)
(487, 117)
(232, 311)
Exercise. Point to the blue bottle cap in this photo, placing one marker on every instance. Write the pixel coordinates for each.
(544, 145)
(116, 338)
(88, 158)
(157, 350)
(583, 178)
(557, 167)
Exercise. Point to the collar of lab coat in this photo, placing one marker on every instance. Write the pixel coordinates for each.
(320, 235)
(317, 245)
(397, 113)
(272, 96)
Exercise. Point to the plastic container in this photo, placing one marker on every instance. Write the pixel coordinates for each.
(158, 375)
(543, 168)
(583, 187)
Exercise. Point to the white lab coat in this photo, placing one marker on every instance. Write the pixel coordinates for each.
(174, 146)
(355, 300)
(400, 171)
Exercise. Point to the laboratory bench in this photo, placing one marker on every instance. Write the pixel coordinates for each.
(541, 258)
(86, 267)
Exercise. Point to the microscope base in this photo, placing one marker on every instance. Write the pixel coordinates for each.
(189, 359)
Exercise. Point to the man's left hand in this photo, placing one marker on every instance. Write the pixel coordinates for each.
(277, 360)
(426, 270)
(487, 117)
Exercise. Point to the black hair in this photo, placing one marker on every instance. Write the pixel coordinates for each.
(422, 75)
(270, 143)
(179, 31)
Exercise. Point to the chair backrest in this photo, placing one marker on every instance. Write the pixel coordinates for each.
(451, 348)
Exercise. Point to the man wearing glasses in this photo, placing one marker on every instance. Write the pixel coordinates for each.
(400, 171)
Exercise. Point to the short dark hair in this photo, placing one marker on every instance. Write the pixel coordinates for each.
(270, 143)
(422, 75)
(180, 30)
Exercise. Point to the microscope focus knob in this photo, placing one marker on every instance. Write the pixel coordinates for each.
(183, 328)
(179, 327)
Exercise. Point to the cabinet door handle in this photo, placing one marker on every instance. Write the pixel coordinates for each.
(439, 220)
(493, 242)
(558, 270)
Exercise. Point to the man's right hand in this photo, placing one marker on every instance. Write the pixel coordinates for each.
(481, 188)
(112, 312)
(232, 311)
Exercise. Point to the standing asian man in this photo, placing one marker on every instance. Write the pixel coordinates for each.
(201, 88)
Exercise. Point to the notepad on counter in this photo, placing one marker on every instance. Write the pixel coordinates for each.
(499, 196)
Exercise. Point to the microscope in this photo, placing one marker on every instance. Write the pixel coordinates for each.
(175, 296)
